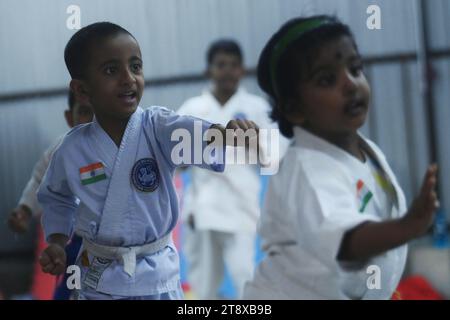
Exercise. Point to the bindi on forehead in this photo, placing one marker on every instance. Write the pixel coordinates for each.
(333, 53)
(340, 53)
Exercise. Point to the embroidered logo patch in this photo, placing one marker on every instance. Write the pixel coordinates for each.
(364, 195)
(92, 173)
(145, 175)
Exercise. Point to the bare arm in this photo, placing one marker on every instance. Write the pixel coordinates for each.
(59, 239)
(373, 238)
(236, 138)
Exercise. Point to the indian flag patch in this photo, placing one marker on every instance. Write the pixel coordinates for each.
(364, 195)
(92, 173)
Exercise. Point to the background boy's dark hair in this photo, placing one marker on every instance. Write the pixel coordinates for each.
(76, 53)
(298, 54)
(223, 45)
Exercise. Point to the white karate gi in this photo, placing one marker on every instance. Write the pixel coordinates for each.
(225, 206)
(310, 205)
(28, 196)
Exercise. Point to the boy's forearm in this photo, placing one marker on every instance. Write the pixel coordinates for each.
(25, 208)
(210, 137)
(223, 132)
(373, 238)
(59, 239)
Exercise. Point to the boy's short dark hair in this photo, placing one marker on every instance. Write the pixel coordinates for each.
(76, 53)
(226, 46)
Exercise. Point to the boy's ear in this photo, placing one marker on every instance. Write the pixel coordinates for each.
(69, 117)
(79, 89)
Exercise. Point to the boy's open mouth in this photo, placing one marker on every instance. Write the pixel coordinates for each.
(128, 96)
(355, 108)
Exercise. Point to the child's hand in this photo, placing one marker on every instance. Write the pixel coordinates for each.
(19, 219)
(243, 131)
(53, 259)
(421, 213)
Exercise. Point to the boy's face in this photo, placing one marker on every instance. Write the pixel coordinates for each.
(79, 114)
(114, 79)
(334, 93)
(226, 71)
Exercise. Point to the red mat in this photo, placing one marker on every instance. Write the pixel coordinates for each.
(43, 283)
(416, 288)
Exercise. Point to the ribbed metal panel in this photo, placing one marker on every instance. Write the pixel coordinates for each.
(174, 35)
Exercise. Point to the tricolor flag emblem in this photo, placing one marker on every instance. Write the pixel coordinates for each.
(364, 195)
(92, 173)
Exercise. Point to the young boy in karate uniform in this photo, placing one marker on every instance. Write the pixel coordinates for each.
(220, 227)
(120, 167)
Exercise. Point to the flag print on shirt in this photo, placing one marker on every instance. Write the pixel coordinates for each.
(92, 173)
(364, 195)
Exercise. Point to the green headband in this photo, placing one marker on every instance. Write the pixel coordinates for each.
(287, 39)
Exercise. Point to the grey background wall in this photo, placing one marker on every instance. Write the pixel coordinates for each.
(174, 35)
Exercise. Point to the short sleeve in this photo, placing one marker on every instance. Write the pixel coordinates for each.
(186, 108)
(327, 210)
(56, 199)
(181, 139)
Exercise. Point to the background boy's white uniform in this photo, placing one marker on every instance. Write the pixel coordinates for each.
(310, 205)
(225, 206)
(28, 196)
(135, 203)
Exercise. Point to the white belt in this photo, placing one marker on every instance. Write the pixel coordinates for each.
(127, 255)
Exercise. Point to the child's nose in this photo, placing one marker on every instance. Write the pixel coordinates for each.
(349, 82)
(127, 77)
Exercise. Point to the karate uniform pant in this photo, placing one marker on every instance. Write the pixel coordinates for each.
(208, 251)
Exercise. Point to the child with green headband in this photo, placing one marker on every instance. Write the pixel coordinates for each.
(335, 223)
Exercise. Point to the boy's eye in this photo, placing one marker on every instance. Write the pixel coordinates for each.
(136, 67)
(326, 80)
(356, 69)
(110, 70)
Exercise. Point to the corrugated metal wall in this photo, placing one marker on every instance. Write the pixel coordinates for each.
(174, 35)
